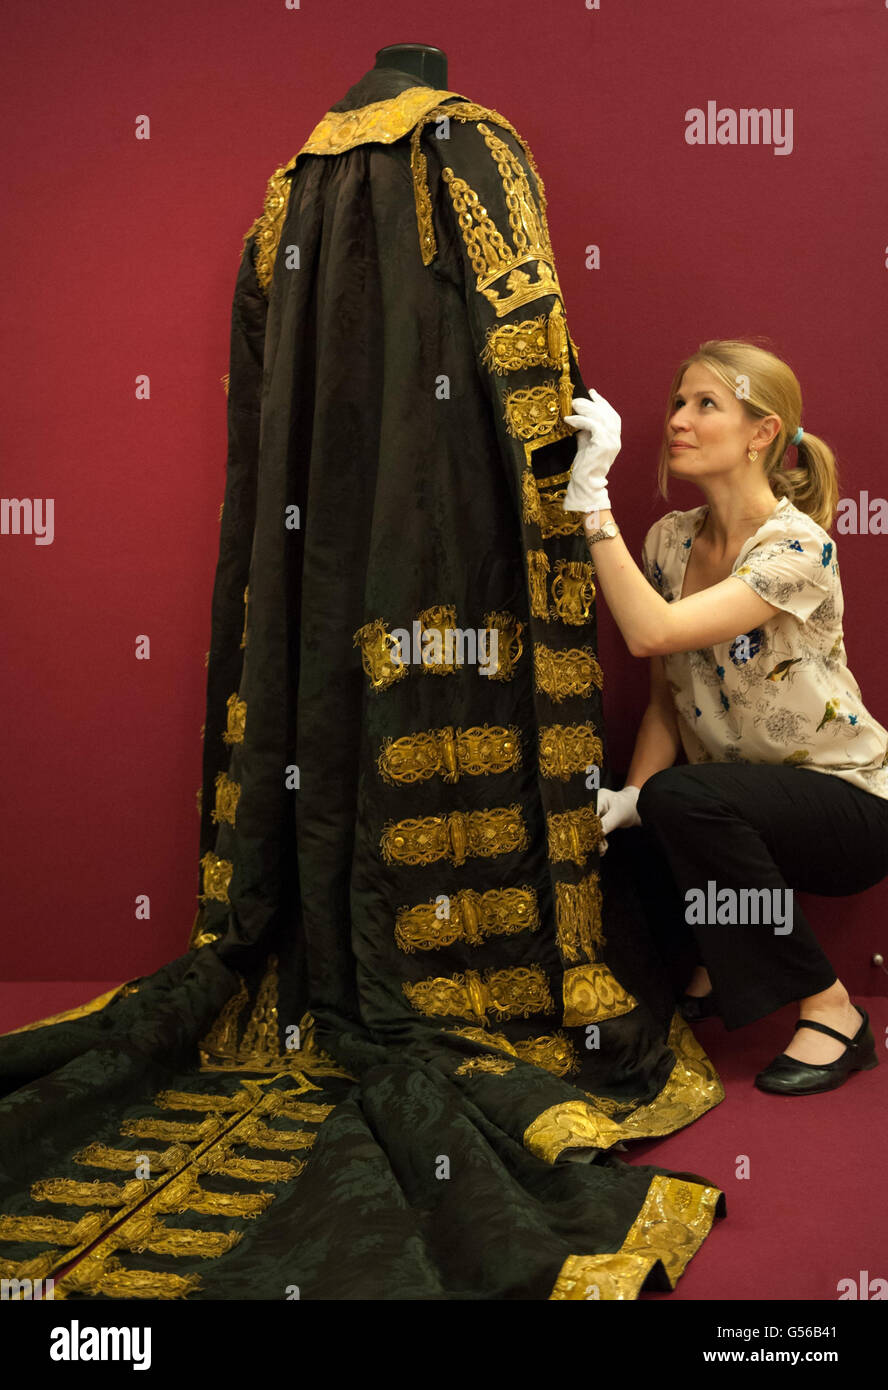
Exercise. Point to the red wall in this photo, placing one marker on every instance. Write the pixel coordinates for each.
(121, 257)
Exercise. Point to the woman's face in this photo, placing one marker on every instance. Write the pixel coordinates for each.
(708, 419)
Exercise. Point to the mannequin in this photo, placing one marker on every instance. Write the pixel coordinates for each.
(427, 63)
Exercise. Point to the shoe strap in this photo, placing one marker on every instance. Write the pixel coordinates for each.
(823, 1028)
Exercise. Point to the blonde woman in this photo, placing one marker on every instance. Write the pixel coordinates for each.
(738, 606)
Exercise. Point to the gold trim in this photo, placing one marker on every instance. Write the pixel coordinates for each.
(460, 111)
(237, 719)
(513, 347)
(489, 253)
(80, 1010)
(544, 509)
(509, 646)
(573, 835)
(578, 917)
(456, 835)
(566, 749)
(566, 672)
(449, 754)
(573, 591)
(692, 1088)
(216, 877)
(674, 1221)
(472, 917)
(496, 1066)
(592, 994)
(381, 655)
(514, 993)
(227, 797)
(531, 411)
(380, 122)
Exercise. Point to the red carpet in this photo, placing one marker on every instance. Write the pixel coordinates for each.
(812, 1211)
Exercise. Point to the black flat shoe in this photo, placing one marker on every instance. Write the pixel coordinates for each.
(694, 1007)
(787, 1076)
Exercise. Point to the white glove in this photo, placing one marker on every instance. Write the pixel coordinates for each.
(597, 447)
(617, 810)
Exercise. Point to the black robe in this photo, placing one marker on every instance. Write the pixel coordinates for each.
(419, 1015)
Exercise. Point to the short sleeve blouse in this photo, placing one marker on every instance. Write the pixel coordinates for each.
(781, 693)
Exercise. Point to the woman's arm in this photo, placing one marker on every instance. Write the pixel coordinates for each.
(658, 740)
(653, 627)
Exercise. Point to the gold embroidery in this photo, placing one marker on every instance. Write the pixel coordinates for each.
(266, 230)
(237, 719)
(472, 917)
(592, 995)
(307, 1111)
(573, 591)
(478, 1035)
(259, 1050)
(566, 749)
(200, 935)
(511, 347)
(259, 1135)
(555, 1053)
(545, 508)
(440, 655)
(572, 1124)
(226, 382)
(174, 1131)
(261, 1040)
(573, 834)
(381, 654)
(381, 122)
(456, 836)
(492, 257)
(227, 797)
(531, 411)
(243, 640)
(419, 169)
(80, 1011)
(260, 1170)
(52, 1228)
(461, 111)
(509, 646)
(90, 1194)
(578, 914)
(101, 1274)
(497, 1066)
(126, 1160)
(674, 1221)
(450, 754)
(190, 1197)
(199, 800)
(558, 351)
(537, 569)
(692, 1088)
(519, 992)
(217, 876)
(571, 671)
(610, 1105)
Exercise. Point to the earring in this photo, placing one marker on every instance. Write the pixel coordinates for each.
(752, 455)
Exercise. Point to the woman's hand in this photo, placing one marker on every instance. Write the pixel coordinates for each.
(617, 810)
(597, 446)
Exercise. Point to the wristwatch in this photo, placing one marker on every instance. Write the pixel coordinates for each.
(609, 530)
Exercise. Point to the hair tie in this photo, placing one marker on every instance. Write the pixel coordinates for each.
(797, 437)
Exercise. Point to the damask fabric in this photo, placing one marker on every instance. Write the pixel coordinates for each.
(784, 685)
(419, 1016)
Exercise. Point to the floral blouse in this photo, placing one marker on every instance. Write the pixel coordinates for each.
(781, 693)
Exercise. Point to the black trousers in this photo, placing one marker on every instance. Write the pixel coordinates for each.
(715, 826)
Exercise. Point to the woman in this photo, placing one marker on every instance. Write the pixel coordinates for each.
(740, 610)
